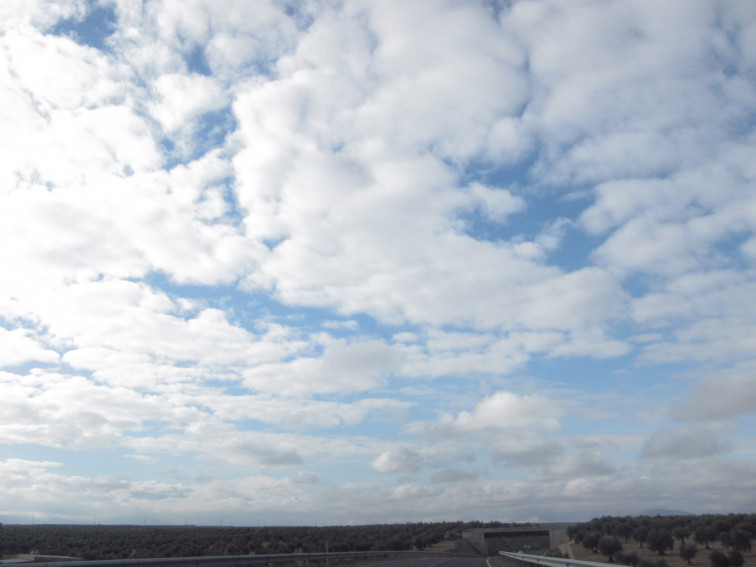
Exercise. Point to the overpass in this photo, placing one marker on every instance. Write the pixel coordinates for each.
(531, 537)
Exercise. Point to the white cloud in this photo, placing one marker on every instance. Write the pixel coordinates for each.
(683, 444)
(20, 345)
(405, 337)
(183, 97)
(60, 410)
(497, 204)
(42, 13)
(292, 413)
(234, 39)
(398, 460)
(263, 454)
(503, 221)
(66, 102)
(54, 72)
(350, 325)
(34, 486)
(470, 353)
(581, 464)
(632, 69)
(503, 411)
(526, 449)
(455, 475)
(728, 393)
(443, 94)
(710, 313)
(132, 317)
(343, 367)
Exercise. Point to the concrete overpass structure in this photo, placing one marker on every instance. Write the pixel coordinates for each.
(536, 538)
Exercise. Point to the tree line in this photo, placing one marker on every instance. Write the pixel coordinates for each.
(606, 535)
(121, 542)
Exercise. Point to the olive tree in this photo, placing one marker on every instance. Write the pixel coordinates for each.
(660, 541)
(718, 559)
(740, 539)
(609, 546)
(735, 559)
(640, 534)
(705, 535)
(688, 551)
(681, 532)
(591, 541)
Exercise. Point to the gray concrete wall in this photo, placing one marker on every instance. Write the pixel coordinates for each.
(536, 537)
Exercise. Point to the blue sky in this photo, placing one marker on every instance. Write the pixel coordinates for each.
(371, 261)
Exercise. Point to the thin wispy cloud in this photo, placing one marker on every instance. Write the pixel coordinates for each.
(394, 260)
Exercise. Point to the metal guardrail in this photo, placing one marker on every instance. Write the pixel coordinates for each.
(550, 561)
(248, 560)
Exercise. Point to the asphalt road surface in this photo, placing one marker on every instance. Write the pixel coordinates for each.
(443, 562)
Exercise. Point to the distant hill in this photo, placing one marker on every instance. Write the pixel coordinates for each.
(664, 512)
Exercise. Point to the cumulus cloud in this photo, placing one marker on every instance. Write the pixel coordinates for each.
(526, 450)
(265, 454)
(709, 313)
(581, 464)
(724, 395)
(184, 97)
(683, 444)
(455, 475)
(59, 410)
(20, 345)
(343, 367)
(501, 412)
(293, 413)
(398, 460)
(497, 204)
(330, 243)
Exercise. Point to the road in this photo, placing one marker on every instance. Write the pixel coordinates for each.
(445, 562)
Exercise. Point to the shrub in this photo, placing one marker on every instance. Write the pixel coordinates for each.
(718, 559)
(628, 558)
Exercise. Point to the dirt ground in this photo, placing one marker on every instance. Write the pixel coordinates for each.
(673, 559)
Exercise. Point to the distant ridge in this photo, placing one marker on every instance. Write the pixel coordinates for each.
(664, 512)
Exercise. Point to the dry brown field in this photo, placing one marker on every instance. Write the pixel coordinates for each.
(673, 559)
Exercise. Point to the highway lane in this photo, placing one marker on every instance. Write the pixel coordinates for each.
(442, 562)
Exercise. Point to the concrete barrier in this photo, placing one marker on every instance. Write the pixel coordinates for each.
(523, 559)
(280, 560)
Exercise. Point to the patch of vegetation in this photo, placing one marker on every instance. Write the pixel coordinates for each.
(656, 536)
(121, 542)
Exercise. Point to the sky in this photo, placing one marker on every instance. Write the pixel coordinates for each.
(309, 262)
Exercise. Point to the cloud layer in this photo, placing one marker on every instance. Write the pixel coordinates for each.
(428, 260)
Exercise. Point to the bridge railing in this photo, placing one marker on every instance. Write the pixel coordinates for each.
(280, 560)
(523, 559)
